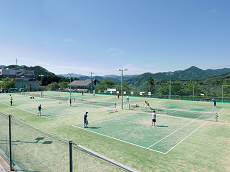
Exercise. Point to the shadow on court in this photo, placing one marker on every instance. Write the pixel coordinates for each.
(161, 126)
(94, 127)
(19, 141)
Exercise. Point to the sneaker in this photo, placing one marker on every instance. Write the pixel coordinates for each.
(152, 125)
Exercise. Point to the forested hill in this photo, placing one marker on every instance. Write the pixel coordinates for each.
(38, 70)
(212, 76)
(48, 77)
(192, 73)
(222, 79)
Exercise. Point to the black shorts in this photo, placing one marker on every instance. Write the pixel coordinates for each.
(154, 120)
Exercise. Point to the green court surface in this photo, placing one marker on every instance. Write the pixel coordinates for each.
(136, 129)
(187, 136)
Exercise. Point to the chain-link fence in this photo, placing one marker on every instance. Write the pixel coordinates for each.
(174, 91)
(28, 149)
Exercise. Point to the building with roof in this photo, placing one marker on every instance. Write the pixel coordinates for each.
(23, 78)
(84, 85)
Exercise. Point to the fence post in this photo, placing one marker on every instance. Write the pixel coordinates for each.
(70, 157)
(10, 150)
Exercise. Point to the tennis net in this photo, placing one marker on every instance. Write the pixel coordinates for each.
(97, 103)
(56, 97)
(176, 112)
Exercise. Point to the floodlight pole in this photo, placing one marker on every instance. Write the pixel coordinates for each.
(33, 84)
(170, 88)
(91, 82)
(41, 83)
(222, 93)
(170, 73)
(122, 85)
(7, 84)
(70, 85)
(22, 84)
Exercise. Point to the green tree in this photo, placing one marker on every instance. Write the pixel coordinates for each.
(8, 83)
(62, 85)
(53, 86)
(150, 85)
(163, 90)
(107, 83)
(226, 86)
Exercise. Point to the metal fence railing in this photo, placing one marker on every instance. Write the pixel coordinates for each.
(28, 149)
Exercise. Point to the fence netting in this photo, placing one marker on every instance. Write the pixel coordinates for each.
(4, 135)
(174, 91)
(35, 150)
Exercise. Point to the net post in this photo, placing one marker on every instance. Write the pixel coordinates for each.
(70, 157)
(115, 105)
(129, 106)
(10, 148)
(216, 117)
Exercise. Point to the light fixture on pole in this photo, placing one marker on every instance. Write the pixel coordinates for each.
(122, 85)
(41, 83)
(170, 73)
(70, 85)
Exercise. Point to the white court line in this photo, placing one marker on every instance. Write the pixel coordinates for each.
(119, 140)
(193, 132)
(34, 113)
(177, 130)
(159, 140)
(183, 127)
(221, 110)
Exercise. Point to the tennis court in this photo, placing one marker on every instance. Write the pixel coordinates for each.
(135, 128)
(177, 122)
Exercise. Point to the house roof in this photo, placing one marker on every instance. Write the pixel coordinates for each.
(83, 83)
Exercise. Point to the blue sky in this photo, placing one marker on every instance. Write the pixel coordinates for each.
(101, 36)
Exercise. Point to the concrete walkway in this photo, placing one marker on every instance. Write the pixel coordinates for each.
(4, 167)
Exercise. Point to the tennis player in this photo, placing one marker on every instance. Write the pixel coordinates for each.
(147, 105)
(11, 101)
(214, 102)
(39, 110)
(154, 118)
(85, 120)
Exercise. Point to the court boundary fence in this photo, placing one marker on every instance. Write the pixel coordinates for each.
(74, 151)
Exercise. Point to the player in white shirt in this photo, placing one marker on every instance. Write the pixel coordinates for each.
(154, 119)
